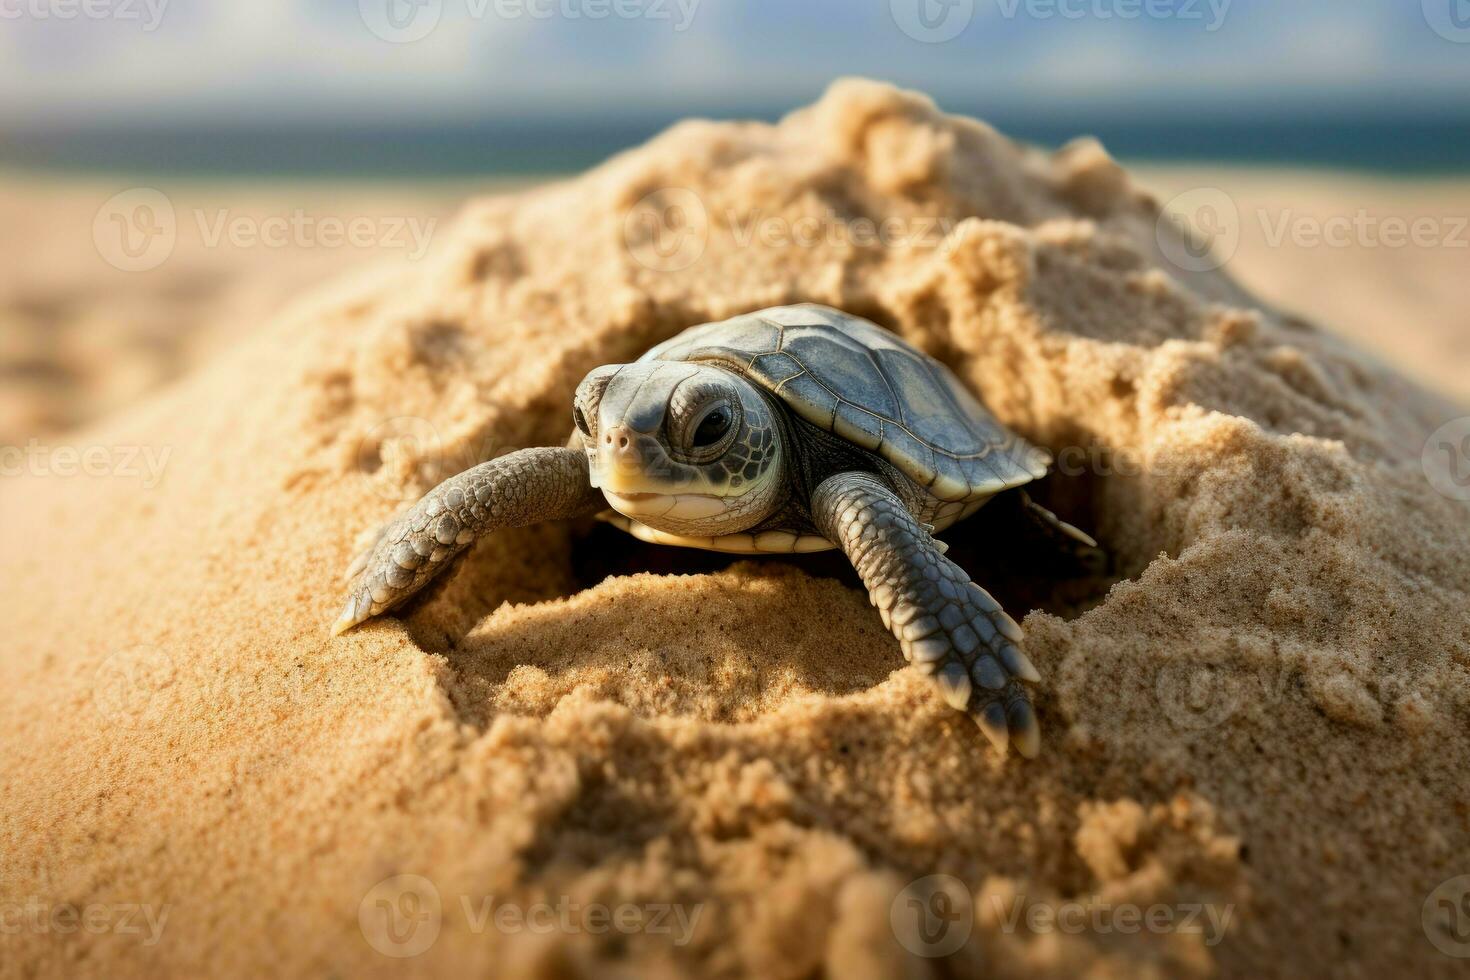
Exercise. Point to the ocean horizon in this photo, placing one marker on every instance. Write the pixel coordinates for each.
(1404, 145)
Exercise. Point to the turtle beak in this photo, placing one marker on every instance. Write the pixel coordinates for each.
(620, 465)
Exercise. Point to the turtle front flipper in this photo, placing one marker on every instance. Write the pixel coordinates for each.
(949, 627)
(517, 489)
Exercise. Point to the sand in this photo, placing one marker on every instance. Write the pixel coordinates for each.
(1255, 721)
(81, 338)
(1343, 250)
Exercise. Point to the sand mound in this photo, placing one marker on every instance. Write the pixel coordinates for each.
(1260, 715)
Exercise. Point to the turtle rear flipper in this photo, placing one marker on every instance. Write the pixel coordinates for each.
(1069, 545)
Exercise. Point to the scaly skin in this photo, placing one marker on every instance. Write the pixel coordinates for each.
(520, 488)
(949, 627)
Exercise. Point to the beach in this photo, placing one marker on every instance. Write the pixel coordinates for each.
(1254, 720)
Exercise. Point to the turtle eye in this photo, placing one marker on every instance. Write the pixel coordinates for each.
(581, 421)
(712, 427)
(704, 417)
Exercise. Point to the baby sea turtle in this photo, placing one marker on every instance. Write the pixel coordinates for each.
(794, 429)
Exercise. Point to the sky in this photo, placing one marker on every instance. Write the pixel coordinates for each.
(84, 61)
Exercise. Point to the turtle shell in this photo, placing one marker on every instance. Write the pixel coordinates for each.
(862, 383)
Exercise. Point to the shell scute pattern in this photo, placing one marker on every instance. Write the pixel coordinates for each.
(866, 385)
(778, 366)
(858, 427)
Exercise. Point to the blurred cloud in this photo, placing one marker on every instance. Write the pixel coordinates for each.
(102, 60)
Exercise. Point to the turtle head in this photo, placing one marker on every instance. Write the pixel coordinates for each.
(690, 449)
